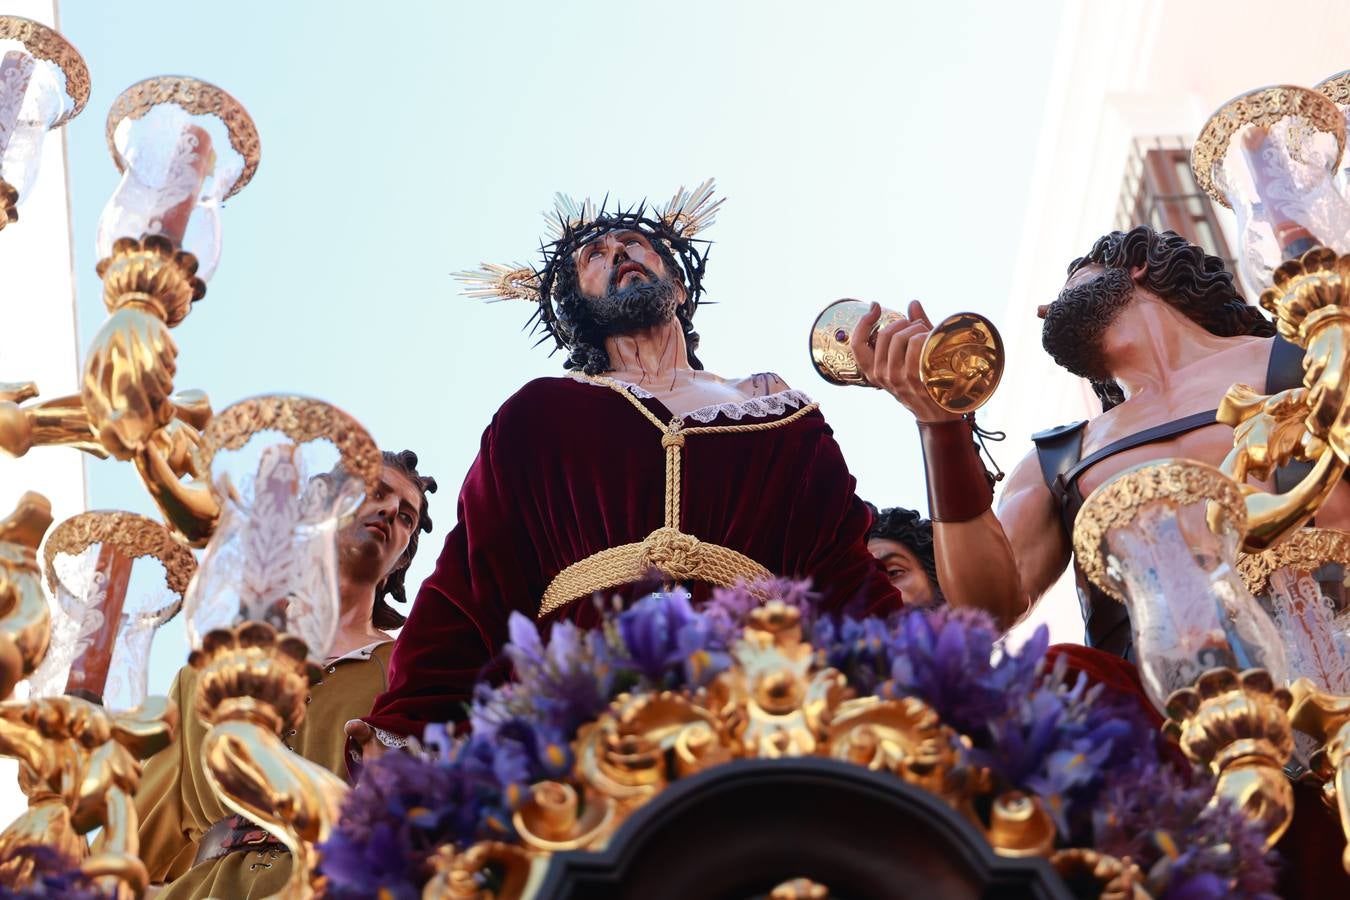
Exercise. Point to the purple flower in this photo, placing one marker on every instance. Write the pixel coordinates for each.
(947, 658)
(668, 643)
(564, 685)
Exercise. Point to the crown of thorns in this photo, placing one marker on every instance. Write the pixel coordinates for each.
(572, 225)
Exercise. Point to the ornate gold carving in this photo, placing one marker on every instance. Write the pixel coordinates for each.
(1238, 726)
(777, 700)
(252, 685)
(1336, 88)
(1117, 879)
(960, 363)
(9, 203)
(25, 618)
(151, 274)
(302, 419)
(80, 768)
(44, 43)
(1020, 826)
(1308, 549)
(1327, 717)
(196, 98)
(1264, 107)
(1302, 286)
(461, 876)
(252, 672)
(133, 535)
(1117, 502)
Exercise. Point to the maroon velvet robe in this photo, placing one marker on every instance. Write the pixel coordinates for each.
(567, 469)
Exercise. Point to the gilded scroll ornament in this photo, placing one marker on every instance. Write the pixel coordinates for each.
(80, 767)
(45, 43)
(133, 535)
(302, 419)
(1262, 107)
(1336, 88)
(1118, 502)
(1308, 549)
(252, 686)
(196, 98)
(1237, 724)
(24, 614)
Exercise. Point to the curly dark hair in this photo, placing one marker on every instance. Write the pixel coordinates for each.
(562, 313)
(1183, 274)
(383, 615)
(906, 526)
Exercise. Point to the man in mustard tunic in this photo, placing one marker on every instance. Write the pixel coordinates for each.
(189, 840)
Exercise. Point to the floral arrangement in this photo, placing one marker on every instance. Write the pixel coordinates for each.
(1091, 758)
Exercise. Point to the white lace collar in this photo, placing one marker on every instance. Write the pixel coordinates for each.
(755, 407)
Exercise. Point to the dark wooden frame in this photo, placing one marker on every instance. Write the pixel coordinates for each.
(736, 831)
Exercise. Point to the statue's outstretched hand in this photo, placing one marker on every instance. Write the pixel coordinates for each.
(890, 359)
(128, 379)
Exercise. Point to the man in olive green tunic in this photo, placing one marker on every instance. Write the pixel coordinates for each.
(189, 840)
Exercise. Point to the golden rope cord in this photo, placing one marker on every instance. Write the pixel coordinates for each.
(680, 556)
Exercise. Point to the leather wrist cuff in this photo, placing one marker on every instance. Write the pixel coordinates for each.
(958, 487)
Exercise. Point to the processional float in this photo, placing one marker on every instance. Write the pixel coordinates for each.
(262, 486)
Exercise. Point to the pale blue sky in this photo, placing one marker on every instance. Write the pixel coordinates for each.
(877, 150)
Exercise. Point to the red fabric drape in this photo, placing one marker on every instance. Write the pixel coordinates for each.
(567, 469)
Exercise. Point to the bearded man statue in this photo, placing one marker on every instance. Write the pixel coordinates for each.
(1159, 329)
(637, 467)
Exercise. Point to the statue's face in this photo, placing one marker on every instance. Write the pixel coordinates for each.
(904, 571)
(371, 545)
(617, 260)
(625, 284)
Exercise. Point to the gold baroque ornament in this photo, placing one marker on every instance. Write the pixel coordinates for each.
(133, 535)
(1264, 107)
(1303, 287)
(777, 700)
(1336, 88)
(302, 419)
(1237, 725)
(1117, 502)
(150, 273)
(196, 98)
(1308, 549)
(252, 685)
(45, 43)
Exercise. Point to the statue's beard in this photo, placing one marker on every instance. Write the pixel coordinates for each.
(1077, 320)
(644, 304)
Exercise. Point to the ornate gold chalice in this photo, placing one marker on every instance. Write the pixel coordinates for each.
(961, 361)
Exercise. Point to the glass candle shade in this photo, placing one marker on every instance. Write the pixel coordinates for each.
(1337, 89)
(287, 470)
(1272, 155)
(1163, 539)
(43, 84)
(115, 578)
(183, 146)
